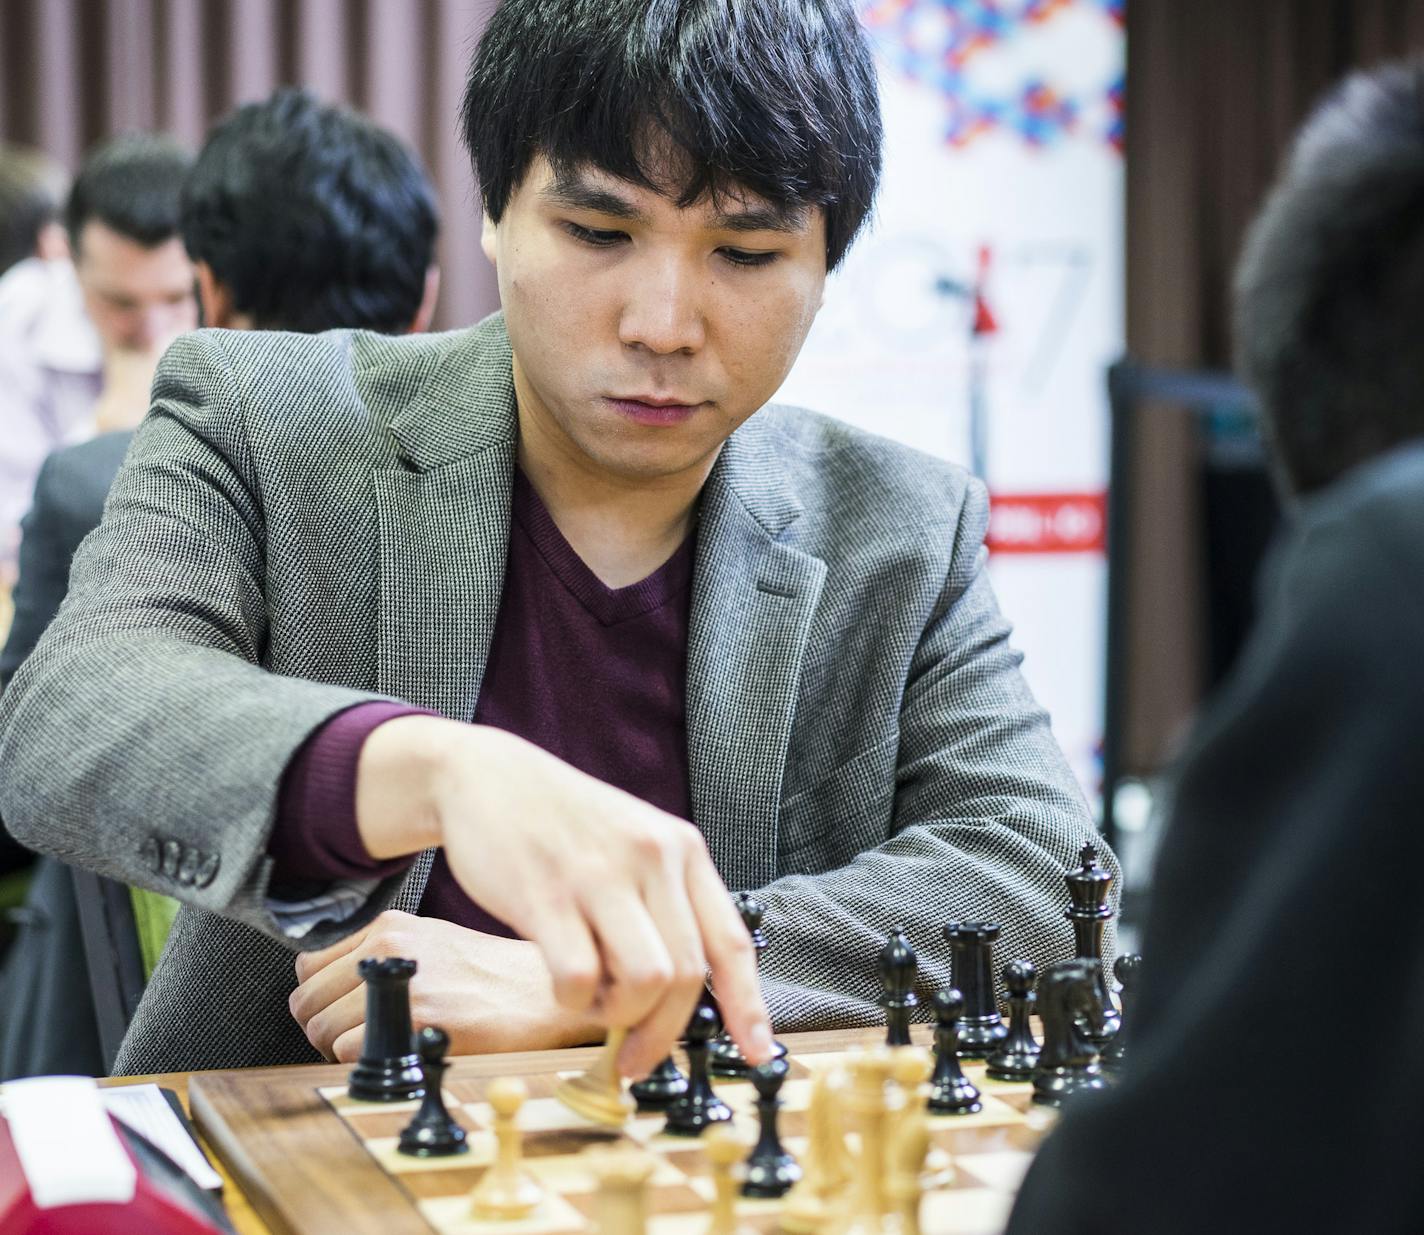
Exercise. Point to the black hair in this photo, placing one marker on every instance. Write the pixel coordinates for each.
(775, 97)
(32, 190)
(1330, 287)
(312, 217)
(129, 183)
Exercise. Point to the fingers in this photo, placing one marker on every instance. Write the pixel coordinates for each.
(732, 960)
(335, 1021)
(309, 963)
(667, 903)
(571, 954)
(324, 988)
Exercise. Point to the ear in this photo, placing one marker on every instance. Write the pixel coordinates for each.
(420, 323)
(488, 235)
(215, 299)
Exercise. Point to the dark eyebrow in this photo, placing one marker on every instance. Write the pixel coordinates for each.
(575, 194)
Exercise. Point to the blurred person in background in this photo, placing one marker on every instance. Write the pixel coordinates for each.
(1286, 894)
(79, 343)
(32, 192)
(297, 216)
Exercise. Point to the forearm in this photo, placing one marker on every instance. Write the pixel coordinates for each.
(826, 930)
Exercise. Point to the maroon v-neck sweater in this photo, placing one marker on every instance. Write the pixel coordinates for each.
(592, 674)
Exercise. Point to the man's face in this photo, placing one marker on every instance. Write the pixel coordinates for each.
(137, 298)
(644, 334)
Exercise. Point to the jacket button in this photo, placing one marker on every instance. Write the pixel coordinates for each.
(172, 854)
(151, 855)
(207, 871)
(188, 868)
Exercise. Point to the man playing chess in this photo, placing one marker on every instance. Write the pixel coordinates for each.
(434, 647)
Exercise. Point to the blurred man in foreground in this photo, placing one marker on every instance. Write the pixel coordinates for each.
(1275, 1081)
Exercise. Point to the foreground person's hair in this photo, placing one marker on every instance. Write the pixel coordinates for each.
(1330, 289)
(775, 97)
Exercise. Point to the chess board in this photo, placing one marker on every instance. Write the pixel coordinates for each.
(314, 1162)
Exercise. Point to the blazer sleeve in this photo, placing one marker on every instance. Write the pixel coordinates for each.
(161, 635)
(987, 819)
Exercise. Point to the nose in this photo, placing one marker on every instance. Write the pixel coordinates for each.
(663, 311)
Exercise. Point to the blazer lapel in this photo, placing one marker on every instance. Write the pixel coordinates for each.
(753, 600)
(444, 526)
(444, 520)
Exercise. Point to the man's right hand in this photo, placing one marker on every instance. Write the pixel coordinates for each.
(621, 898)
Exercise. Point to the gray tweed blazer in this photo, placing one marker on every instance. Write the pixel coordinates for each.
(307, 522)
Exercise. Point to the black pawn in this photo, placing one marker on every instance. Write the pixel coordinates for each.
(663, 1086)
(1089, 890)
(770, 1169)
(724, 1059)
(699, 1107)
(1127, 970)
(1017, 1053)
(951, 1092)
(432, 1133)
(971, 971)
(389, 1069)
(898, 967)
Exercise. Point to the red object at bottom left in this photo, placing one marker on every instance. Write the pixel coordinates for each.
(52, 1183)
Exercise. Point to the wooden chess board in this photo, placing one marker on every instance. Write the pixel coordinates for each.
(313, 1162)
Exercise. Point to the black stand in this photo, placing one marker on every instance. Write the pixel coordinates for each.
(951, 1092)
(389, 1069)
(971, 961)
(770, 1169)
(1017, 1053)
(432, 1133)
(699, 1108)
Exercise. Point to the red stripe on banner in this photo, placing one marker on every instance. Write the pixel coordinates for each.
(1048, 522)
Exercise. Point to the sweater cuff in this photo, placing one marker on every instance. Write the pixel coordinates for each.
(315, 840)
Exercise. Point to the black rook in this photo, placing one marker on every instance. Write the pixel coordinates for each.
(971, 960)
(389, 1070)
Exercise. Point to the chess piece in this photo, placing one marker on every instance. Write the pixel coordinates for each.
(906, 1170)
(432, 1133)
(622, 1205)
(911, 1070)
(898, 966)
(505, 1191)
(725, 1152)
(1089, 888)
(1068, 1061)
(1127, 969)
(1017, 1054)
(770, 1169)
(866, 1102)
(660, 1088)
(598, 1094)
(699, 1108)
(811, 1206)
(951, 1092)
(971, 973)
(389, 1069)
(723, 1057)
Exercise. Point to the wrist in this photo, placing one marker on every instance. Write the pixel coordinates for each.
(401, 766)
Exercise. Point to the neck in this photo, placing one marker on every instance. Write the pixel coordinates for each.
(623, 527)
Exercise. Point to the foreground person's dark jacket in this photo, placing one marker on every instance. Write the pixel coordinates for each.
(1278, 1081)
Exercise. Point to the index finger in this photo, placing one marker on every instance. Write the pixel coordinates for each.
(732, 960)
(309, 963)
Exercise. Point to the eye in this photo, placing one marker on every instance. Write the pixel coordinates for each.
(598, 239)
(740, 257)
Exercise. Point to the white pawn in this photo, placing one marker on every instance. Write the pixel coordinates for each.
(725, 1152)
(622, 1191)
(506, 1191)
